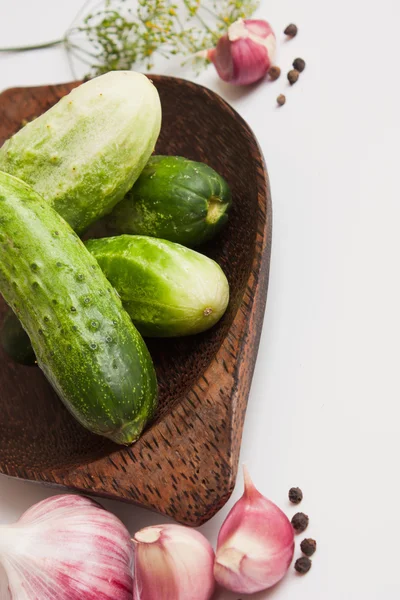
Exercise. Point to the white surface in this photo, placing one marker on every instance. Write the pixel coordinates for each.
(324, 407)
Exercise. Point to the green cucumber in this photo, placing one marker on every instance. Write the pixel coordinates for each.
(175, 199)
(15, 341)
(167, 289)
(86, 152)
(83, 339)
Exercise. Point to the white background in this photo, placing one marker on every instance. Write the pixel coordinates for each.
(323, 412)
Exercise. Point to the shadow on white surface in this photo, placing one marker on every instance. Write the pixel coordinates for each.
(221, 594)
(232, 93)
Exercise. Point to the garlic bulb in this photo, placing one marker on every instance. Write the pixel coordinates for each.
(67, 548)
(172, 562)
(255, 544)
(245, 53)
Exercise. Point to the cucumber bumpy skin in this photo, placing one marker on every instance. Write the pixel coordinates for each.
(175, 199)
(167, 289)
(86, 152)
(83, 339)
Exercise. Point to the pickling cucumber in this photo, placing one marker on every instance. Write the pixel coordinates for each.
(175, 199)
(86, 152)
(168, 290)
(83, 339)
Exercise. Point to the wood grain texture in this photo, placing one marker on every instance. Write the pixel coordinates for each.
(185, 464)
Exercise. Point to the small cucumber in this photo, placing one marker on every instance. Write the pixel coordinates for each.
(175, 199)
(86, 152)
(83, 339)
(167, 289)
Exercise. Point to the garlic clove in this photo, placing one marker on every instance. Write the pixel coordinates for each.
(255, 544)
(172, 562)
(67, 548)
(245, 53)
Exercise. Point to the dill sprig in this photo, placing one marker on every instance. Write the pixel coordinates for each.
(126, 34)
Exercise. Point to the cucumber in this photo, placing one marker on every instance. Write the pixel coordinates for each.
(87, 151)
(15, 341)
(83, 339)
(167, 289)
(175, 199)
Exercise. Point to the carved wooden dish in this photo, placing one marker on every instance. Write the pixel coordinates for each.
(185, 464)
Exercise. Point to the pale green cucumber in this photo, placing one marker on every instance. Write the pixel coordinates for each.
(167, 289)
(86, 152)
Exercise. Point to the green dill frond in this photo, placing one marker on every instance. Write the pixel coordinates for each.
(123, 34)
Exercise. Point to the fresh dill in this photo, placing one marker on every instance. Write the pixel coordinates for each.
(126, 34)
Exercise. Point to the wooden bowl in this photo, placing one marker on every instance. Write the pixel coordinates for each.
(185, 464)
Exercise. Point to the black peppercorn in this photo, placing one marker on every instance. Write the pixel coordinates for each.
(308, 546)
(303, 565)
(274, 73)
(293, 76)
(295, 495)
(299, 64)
(281, 99)
(291, 30)
(300, 522)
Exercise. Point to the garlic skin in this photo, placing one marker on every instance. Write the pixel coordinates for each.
(172, 562)
(67, 548)
(245, 53)
(255, 544)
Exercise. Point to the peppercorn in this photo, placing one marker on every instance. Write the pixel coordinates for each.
(281, 99)
(308, 546)
(303, 565)
(274, 73)
(300, 522)
(291, 30)
(299, 64)
(293, 76)
(295, 495)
